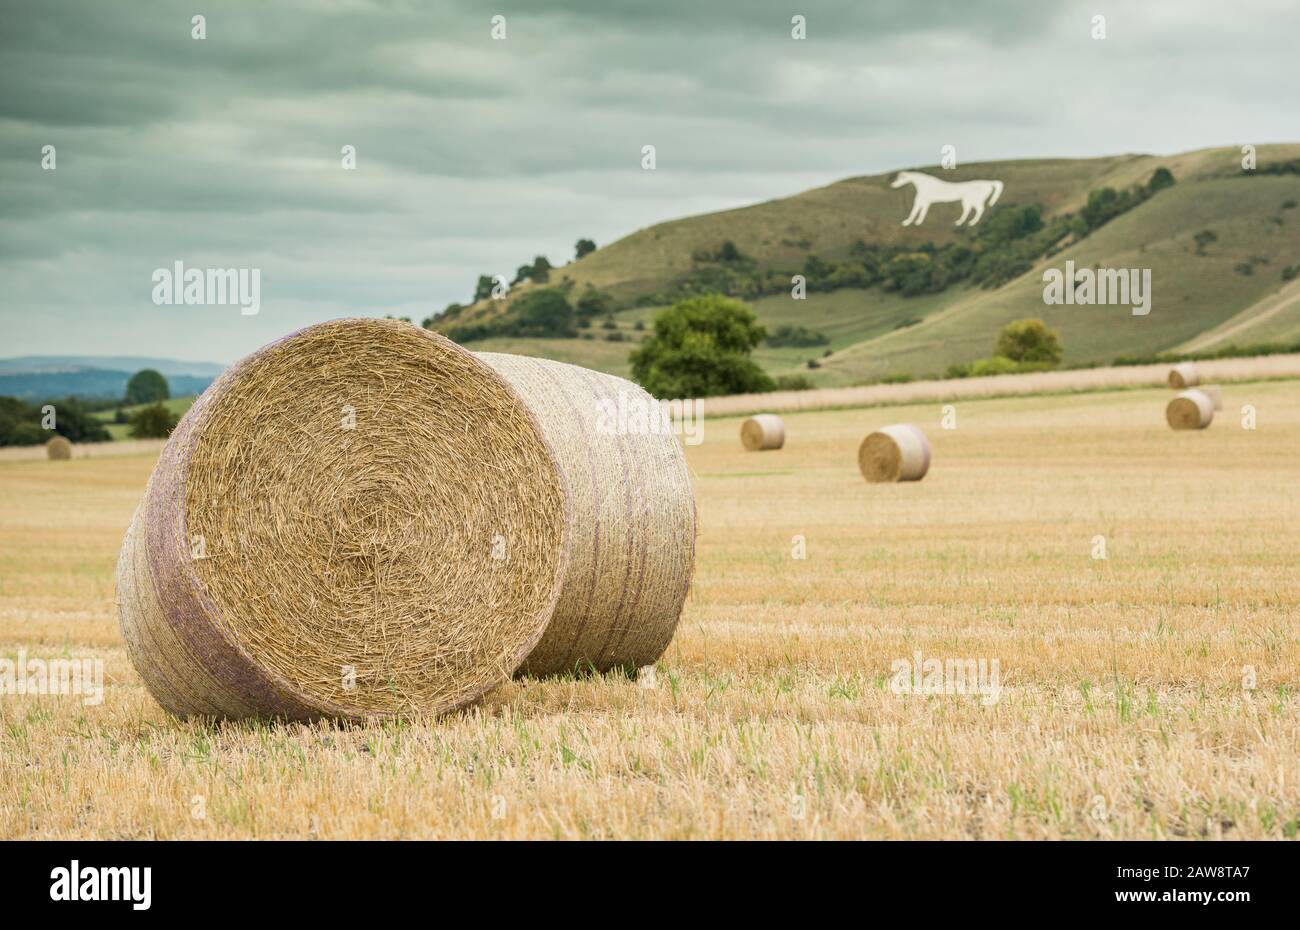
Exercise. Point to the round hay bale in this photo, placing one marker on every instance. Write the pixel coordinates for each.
(1190, 410)
(895, 453)
(632, 539)
(58, 448)
(762, 431)
(358, 520)
(1184, 375)
(1214, 393)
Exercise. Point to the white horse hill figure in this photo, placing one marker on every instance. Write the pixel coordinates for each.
(974, 195)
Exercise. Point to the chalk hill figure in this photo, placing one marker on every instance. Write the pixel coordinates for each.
(974, 195)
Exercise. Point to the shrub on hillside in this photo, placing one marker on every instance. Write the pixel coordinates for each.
(793, 383)
(1161, 178)
(594, 302)
(541, 314)
(1029, 341)
(796, 336)
(997, 365)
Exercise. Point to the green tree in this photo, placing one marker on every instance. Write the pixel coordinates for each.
(538, 272)
(997, 365)
(911, 273)
(1160, 179)
(74, 421)
(483, 290)
(543, 313)
(152, 422)
(23, 424)
(594, 303)
(700, 348)
(1102, 205)
(1029, 341)
(19, 423)
(583, 247)
(147, 386)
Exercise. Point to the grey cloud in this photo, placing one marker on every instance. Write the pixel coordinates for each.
(475, 155)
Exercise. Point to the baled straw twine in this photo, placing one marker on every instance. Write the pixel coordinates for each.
(284, 564)
(895, 453)
(1190, 410)
(762, 431)
(632, 544)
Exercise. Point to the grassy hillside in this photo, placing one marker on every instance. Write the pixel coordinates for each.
(874, 333)
(1191, 293)
(1274, 318)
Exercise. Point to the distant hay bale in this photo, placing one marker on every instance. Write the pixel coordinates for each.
(358, 520)
(895, 453)
(1184, 375)
(58, 448)
(1214, 393)
(1190, 410)
(762, 431)
(632, 544)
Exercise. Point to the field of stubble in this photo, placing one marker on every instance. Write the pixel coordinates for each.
(1150, 694)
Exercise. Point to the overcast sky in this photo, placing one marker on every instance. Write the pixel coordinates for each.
(475, 154)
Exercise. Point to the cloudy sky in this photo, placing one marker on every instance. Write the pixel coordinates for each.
(475, 154)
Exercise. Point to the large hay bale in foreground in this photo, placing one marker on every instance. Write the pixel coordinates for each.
(58, 448)
(1190, 410)
(895, 453)
(358, 520)
(762, 431)
(632, 542)
(1184, 375)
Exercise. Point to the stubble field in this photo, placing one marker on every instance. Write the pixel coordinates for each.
(1151, 693)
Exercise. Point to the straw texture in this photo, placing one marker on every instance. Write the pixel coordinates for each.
(1184, 375)
(1190, 410)
(358, 520)
(762, 431)
(895, 453)
(58, 448)
(632, 540)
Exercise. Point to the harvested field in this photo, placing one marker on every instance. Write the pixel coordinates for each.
(1151, 693)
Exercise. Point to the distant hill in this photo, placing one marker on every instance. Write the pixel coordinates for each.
(1239, 289)
(85, 382)
(127, 363)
